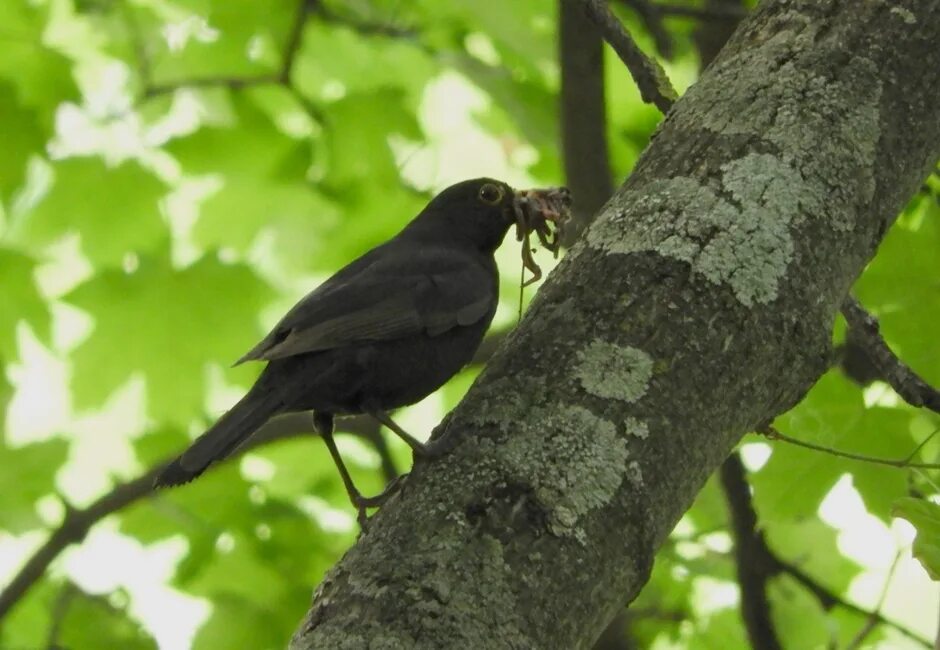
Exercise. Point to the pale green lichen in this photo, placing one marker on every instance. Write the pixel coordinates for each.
(635, 475)
(637, 428)
(742, 241)
(578, 464)
(614, 371)
(905, 15)
(733, 226)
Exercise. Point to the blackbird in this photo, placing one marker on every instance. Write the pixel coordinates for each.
(383, 332)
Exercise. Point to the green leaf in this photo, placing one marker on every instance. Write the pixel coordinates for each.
(240, 623)
(247, 144)
(41, 76)
(95, 622)
(797, 615)
(357, 143)
(811, 545)
(794, 481)
(20, 138)
(167, 324)
(293, 215)
(336, 61)
(900, 287)
(215, 38)
(925, 517)
(20, 300)
(28, 474)
(114, 210)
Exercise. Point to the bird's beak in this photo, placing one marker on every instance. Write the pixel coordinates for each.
(550, 203)
(532, 208)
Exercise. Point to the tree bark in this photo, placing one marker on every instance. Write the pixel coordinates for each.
(698, 306)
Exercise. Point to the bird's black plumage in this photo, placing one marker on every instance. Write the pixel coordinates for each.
(383, 332)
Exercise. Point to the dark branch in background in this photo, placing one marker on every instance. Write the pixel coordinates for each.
(723, 17)
(759, 564)
(907, 383)
(583, 117)
(754, 564)
(652, 16)
(655, 87)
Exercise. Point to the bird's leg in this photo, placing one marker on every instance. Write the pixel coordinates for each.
(419, 448)
(323, 423)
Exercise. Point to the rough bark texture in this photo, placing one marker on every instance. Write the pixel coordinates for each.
(698, 306)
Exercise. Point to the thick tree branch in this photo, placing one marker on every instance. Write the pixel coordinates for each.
(754, 563)
(697, 306)
(655, 87)
(906, 383)
(583, 117)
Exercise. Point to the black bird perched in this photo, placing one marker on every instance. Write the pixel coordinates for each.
(385, 331)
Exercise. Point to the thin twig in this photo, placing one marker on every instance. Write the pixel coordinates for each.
(872, 619)
(282, 76)
(904, 463)
(655, 87)
(77, 521)
(828, 599)
(907, 383)
(768, 563)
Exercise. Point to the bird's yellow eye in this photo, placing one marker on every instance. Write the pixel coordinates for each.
(491, 194)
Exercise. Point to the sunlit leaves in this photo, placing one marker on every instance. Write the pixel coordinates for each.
(336, 61)
(28, 474)
(20, 300)
(166, 324)
(795, 480)
(115, 210)
(95, 622)
(925, 516)
(197, 39)
(901, 287)
(41, 76)
(20, 137)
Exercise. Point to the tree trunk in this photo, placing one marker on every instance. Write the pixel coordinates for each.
(697, 307)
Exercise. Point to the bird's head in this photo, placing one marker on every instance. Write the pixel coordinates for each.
(478, 212)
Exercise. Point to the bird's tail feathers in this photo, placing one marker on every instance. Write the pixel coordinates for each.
(222, 438)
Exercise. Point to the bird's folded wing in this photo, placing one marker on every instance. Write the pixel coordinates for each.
(379, 309)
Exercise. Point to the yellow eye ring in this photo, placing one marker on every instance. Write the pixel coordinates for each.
(491, 194)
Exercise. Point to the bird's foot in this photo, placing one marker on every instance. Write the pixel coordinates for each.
(363, 503)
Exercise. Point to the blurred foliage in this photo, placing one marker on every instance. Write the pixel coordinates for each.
(173, 174)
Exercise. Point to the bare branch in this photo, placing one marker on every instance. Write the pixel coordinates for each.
(583, 117)
(907, 383)
(655, 87)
